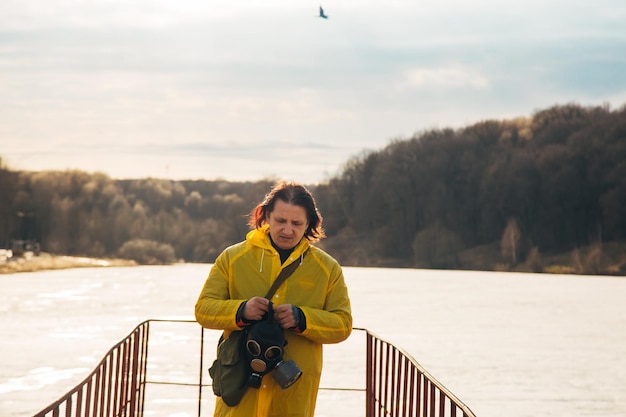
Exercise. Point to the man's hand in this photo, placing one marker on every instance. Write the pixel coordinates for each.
(283, 315)
(255, 308)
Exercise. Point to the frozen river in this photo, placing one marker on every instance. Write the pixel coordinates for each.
(515, 345)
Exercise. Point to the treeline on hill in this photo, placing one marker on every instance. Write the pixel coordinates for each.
(524, 194)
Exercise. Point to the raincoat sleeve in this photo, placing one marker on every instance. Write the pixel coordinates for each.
(333, 322)
(215, 309)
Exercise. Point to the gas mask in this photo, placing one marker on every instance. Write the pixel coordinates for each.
(264, 347)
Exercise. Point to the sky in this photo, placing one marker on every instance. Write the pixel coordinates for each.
(245, 90)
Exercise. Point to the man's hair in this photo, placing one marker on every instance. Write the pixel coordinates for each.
(291, 193)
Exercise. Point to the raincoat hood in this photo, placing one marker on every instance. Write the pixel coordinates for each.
(261, 238)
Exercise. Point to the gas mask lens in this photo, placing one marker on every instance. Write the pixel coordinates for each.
(253, 347)
(273, 352)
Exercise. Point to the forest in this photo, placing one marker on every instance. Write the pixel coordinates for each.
(545, 193)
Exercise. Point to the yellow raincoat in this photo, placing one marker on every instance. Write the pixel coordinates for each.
(317, 286)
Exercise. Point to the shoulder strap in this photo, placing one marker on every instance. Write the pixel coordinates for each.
(284, 274)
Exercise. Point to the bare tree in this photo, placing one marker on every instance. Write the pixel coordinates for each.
(510, 243)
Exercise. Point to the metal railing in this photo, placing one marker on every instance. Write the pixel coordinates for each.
(116, 387)
(396, 385)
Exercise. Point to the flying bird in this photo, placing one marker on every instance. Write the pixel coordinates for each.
(322, 14)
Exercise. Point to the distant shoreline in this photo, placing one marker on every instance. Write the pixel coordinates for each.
(46, 261)
(49, 262)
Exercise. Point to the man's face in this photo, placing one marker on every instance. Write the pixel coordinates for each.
(287, 224)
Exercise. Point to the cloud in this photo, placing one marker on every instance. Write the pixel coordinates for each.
(449, 77)
(129, 88)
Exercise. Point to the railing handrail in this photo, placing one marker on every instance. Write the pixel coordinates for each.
(397, 385)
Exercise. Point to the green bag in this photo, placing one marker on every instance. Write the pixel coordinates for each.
(230, 371)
